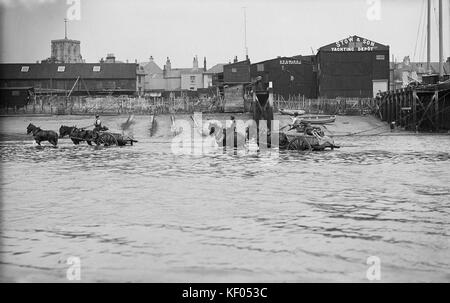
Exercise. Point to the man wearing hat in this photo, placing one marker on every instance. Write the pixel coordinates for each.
(97, 123)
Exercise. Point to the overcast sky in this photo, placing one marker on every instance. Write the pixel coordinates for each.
(136, 29)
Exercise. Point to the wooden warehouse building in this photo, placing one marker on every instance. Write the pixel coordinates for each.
(354, 67)
(76, 79)
(290, 76)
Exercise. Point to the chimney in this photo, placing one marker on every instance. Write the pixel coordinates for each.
(110, 58)
(235, 59)
(204, 64)
(151, 58)
(168, 65)
(195, 63)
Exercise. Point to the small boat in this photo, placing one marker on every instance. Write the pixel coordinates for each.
(319, 119)
(291, 112)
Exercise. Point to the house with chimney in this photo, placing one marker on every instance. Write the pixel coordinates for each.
(170, 79)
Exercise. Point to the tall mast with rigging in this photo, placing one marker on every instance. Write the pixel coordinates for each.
(441, 41)
(245, 32)
(429, 36)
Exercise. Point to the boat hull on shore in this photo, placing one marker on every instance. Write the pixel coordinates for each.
(291, 112)
(318, 119)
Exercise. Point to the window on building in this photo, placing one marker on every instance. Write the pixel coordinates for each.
(260, 67)
(25, 69)
(192, 78)
(234, 70)
(15, 93)
(61, 69)
(96, 69)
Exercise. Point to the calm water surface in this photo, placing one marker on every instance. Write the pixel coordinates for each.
(142, 213)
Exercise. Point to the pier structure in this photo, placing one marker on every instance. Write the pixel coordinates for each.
(417, 108)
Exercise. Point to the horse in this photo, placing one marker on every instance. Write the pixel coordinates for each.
(77, 135)
(42, 135)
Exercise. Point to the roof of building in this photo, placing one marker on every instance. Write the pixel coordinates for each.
(177, 72)
(152, 68)
(420, 67)
(68, 71)
(187, 71)
(216, 69)
(297, 58)
(237, 63)
(353, 43)
(66, 40)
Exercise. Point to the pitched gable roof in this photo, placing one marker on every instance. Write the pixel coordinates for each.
(353, 43)
(151, 68)
(216, 69)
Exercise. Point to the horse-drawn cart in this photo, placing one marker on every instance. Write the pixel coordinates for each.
(113, 139)
(294, 140)
(105, 138)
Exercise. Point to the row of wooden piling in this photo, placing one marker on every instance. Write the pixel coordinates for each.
(421, 108)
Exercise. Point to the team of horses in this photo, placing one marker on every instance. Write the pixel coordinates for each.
(98, 136)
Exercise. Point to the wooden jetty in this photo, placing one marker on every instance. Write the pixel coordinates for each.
(417, 108)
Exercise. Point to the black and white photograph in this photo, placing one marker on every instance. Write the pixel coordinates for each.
(224, 141)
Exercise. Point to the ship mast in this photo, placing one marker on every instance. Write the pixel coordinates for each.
(429, 37)
(441, 42)
(245, 32)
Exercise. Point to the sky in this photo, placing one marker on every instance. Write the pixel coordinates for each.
(180, 29)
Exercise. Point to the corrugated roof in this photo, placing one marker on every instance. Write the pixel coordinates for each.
(71, 71)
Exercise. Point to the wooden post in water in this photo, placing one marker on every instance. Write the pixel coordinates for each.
(388, 107)
(397, 109)
(414, 107)
(436, 109)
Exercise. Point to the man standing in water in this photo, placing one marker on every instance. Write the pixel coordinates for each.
(97, 123)
(296, 121)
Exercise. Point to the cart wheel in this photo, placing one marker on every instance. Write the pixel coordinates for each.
(295, 144)
(110, 139)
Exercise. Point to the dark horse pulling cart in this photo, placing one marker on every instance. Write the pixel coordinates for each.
(77, 135)
(42, 135)
(101, 137)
